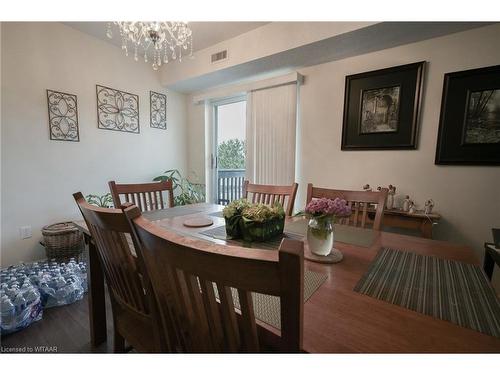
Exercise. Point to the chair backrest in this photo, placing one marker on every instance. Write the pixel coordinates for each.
(268, 194)
(125, 274)
(147, 196)
(197, 287)
(359, 202)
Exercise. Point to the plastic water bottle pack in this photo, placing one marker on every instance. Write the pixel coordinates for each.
(26, 289)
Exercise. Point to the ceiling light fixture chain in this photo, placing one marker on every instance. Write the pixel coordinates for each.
(161, 41)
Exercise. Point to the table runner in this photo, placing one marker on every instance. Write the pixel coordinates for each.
(267, 308)
(272, 244)
(296, 230)
(448, 290)
(170, 213)
(342, 233)
(216, 214)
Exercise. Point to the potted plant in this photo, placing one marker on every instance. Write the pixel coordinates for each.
(105, 200)
(185, 191)
(232, 214)
(254, 222)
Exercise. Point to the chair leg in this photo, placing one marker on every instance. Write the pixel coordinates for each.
(118, 342)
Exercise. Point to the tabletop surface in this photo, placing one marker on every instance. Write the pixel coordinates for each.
(337, 319)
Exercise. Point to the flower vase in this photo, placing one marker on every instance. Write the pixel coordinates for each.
(320, 235)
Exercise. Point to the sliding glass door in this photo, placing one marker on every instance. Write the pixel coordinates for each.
(229, 160)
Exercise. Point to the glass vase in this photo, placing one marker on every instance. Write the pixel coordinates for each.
(320, 235)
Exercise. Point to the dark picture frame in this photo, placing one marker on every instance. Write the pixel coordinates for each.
(117, 110)
(381, 108)
(469, 123)
(157, 110)
(63, 116)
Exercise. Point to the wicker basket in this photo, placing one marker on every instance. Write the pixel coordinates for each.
(62, 241)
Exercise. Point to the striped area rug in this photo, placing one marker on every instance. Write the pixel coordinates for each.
(453, 291)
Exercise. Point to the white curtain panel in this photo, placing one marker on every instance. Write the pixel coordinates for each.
(271, 128)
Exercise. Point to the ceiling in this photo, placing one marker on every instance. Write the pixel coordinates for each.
(205, 34)
(368, 39)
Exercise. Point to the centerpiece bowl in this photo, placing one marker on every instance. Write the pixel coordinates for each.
(253, 222)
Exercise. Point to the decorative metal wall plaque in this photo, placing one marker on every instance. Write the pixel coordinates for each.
(63, 116)
(158, 110)
(117, 110)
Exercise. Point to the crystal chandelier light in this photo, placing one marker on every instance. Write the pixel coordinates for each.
(159, 41)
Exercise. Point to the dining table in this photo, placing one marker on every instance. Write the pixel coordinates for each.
(337, 317)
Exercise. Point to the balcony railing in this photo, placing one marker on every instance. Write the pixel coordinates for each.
(229, 185)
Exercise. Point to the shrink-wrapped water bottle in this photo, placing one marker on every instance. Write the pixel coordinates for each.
(31, 295)
(19, 303)
(8, 314)
(25, 288)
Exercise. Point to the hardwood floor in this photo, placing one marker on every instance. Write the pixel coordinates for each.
(63, 329)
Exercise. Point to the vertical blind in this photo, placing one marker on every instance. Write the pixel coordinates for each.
(271, 128)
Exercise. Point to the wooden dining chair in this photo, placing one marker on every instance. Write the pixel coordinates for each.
(135, 315)
(147, 196)
(359, 202)
(268, 194)
(197, 284)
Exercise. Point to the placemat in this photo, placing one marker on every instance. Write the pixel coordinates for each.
(453, 291)
(267, 308)
(170, 213)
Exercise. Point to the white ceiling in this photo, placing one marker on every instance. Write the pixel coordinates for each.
(205, 34)
(376, 37)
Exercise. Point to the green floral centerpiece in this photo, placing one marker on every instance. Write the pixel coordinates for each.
(253, 222)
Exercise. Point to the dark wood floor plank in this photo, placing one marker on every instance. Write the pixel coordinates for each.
(65, 327)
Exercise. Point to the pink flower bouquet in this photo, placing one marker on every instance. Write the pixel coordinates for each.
(324, 207)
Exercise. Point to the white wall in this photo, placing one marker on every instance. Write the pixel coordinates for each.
(466, 196)
(39, 175)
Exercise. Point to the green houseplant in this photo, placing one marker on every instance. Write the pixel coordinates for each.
(104, 200)
(253, 222)
(185, 191)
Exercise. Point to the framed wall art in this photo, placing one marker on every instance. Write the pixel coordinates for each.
(469, 125)
(117, 110)
(381, 108)
(158, 110)
(63, 116)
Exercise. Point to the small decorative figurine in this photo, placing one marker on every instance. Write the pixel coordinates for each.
(389, 204)
(390, 197)
(406, 203)
(411, 209)
(367, 187)
(429, 205)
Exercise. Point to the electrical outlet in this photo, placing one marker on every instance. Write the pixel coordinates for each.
(25, 232)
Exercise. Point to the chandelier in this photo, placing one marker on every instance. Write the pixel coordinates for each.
(159, 41)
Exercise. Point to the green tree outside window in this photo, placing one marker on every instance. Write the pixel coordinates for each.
(231, 154)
